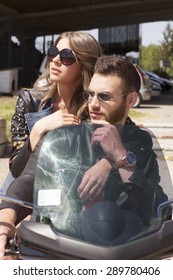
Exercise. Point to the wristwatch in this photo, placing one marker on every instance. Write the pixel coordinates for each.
(128, 160)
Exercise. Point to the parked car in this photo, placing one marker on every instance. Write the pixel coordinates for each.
(169, 83)
(165, 83)
(145, 90)
(156, 88)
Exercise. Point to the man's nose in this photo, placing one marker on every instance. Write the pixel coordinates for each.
(95, 101)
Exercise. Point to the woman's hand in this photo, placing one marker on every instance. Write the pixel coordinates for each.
(7, 229)
(57, 119)
(94, 180)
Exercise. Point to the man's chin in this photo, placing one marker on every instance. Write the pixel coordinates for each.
(99, 121)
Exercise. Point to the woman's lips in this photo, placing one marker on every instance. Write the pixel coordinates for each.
(55, 71)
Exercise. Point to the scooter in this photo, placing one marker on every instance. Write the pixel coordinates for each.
(108, 227)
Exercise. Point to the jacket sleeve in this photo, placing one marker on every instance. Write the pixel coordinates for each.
(144, 191)
(20, 134)
(22, 187)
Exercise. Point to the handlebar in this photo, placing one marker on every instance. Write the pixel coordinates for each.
(16, 201)
(12, 249)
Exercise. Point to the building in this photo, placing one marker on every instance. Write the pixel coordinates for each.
(120, 39)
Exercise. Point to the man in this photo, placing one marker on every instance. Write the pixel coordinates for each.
(112, 93)
(123, 152)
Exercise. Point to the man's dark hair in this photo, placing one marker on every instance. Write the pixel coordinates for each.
(114, 65)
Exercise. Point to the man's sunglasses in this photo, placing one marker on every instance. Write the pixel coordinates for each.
(67, 56)
(101, 96)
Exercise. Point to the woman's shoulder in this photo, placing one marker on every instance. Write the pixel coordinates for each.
(27, 100)
(25, 94)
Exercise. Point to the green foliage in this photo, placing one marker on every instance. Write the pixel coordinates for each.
(152, 55)
(167, 48)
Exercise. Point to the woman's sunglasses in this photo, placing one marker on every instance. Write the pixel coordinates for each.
(67, 56)
(101, 96)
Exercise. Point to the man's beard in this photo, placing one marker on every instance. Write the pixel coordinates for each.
(116, 116)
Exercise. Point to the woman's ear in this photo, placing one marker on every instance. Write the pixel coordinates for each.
(132, 98)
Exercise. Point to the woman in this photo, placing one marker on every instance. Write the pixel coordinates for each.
(70, 68)
(56, 101)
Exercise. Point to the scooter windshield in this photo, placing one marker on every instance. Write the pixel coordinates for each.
(85, 194)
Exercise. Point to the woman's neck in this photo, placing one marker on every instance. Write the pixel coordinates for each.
(66, 99)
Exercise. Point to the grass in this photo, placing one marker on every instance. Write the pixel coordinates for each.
(7, 106)
(136, 114)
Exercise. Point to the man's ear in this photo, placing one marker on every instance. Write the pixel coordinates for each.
(132, 98)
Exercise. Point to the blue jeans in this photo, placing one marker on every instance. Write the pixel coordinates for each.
(31, 119)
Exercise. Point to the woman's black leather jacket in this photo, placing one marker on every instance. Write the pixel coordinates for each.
(20, 151)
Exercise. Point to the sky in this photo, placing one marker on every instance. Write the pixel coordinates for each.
(152, 32)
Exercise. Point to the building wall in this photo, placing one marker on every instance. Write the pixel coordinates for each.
(120, 39)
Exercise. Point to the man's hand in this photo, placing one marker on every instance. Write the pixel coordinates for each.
(109, 137)
(94, 180)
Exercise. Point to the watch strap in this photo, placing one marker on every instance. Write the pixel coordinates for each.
(128, 160)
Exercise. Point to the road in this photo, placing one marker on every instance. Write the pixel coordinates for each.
(158, 109)
(157, 116)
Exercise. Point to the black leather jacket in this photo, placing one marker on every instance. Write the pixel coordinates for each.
(20, 132)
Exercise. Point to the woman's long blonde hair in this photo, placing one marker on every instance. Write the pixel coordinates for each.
(87, 50)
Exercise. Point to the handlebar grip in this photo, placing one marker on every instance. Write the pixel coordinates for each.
(11, 248)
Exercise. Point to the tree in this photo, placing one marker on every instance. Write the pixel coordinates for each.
(167, 48)
(150, 57)
(159, 58)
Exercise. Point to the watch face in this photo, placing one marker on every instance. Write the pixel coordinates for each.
(131, 159)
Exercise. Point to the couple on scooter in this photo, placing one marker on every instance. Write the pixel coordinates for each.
(112, 92)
